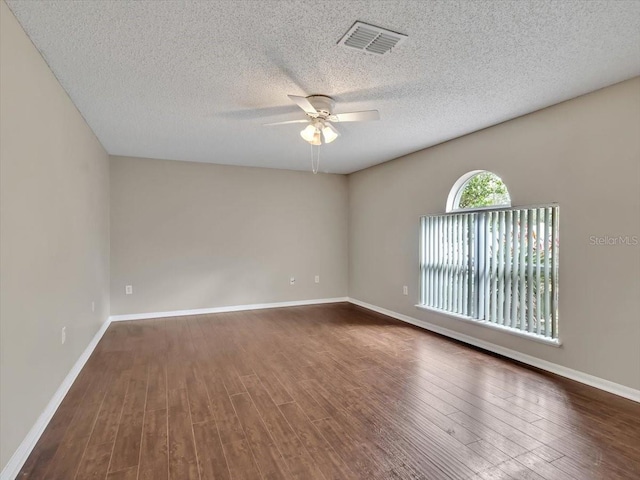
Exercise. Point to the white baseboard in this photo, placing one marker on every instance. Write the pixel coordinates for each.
(231, 308)
(591, 380)
(19, 457)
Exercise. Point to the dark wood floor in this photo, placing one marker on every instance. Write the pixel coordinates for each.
(324, 392)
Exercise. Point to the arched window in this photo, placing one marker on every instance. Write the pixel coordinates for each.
(492, 263)
(478, 189)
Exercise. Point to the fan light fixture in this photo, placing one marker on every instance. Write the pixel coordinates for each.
(308, 132)
(329, 134)
(311, 133)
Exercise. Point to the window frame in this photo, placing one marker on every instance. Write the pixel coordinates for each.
(553, 341)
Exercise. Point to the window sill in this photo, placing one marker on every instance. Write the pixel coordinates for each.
(554, 342)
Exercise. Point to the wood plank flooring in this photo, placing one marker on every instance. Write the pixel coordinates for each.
(328, 392)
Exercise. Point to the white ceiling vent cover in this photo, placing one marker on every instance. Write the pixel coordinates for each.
(371, 39)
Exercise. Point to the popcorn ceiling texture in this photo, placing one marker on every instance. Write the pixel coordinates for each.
(195, 80)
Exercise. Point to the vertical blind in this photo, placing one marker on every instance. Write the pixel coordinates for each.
(496, 266)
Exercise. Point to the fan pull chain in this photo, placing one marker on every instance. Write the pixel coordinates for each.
(315, 159)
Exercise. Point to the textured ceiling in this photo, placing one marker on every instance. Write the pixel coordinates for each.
(195, 80)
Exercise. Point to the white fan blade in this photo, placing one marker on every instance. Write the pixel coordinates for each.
(356, 116)
(304, 104)
(284, 123)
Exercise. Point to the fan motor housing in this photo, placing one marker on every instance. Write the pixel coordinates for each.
(323, 104)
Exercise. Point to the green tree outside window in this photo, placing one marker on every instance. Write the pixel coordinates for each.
(484, 190)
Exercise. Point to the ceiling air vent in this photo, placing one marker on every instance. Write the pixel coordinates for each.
(371, 39)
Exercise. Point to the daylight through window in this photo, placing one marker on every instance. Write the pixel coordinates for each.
(497, 266)
(478, 189)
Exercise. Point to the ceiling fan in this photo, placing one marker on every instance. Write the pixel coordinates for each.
(320, 116)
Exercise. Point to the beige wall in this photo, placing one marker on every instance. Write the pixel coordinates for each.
(191, 235)
(583, 154)
(54, 234)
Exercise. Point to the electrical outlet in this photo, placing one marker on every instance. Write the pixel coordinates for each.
(292, 281)
(128, 290)
(405, 290)
(64, 335)
(93, 306)
(317, 279)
